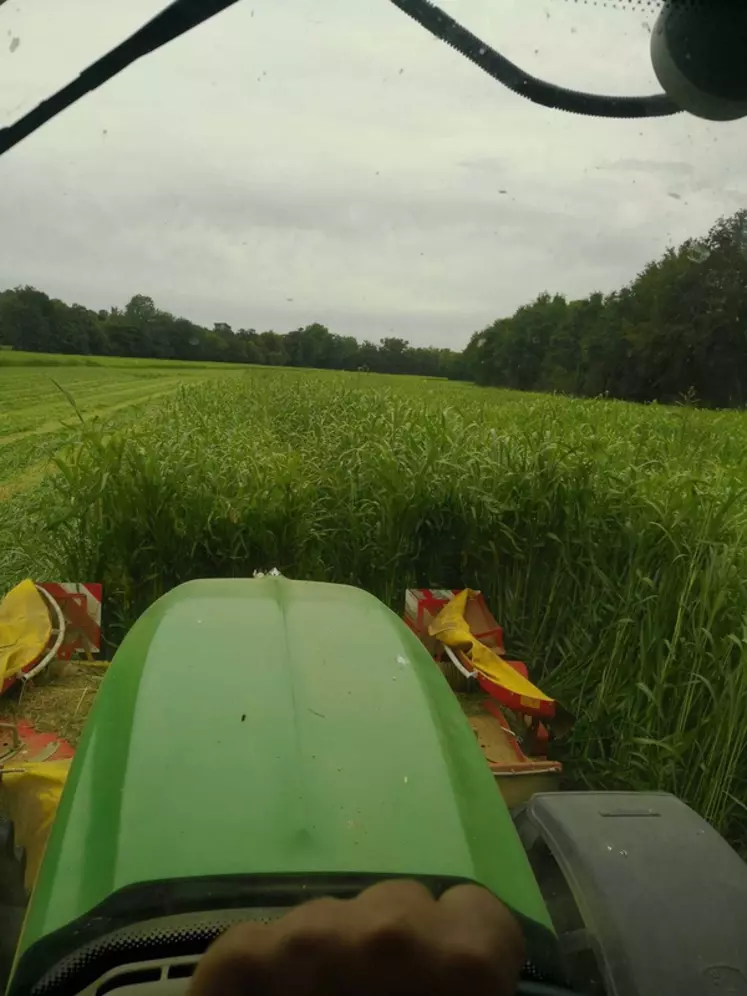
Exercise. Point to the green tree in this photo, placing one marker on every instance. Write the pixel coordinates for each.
(679, 327)
(273, 348)
(27, 320)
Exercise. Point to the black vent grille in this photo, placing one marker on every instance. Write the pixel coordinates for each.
(185, 970)
(172, 937)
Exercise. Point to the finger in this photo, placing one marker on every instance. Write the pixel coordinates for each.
(238, 962)
(374, 943)
(314, 952)
(483, 944)
(393, 917)
(397, 900)
(300, 954)
(394, 933)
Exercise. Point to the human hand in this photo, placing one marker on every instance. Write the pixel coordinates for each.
(393, 939)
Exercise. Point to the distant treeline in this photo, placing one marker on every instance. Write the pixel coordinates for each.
(31, 320)
(678, 330)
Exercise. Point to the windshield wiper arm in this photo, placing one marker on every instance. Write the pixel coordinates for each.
(442, 25)
(179, 17)
(183, 15)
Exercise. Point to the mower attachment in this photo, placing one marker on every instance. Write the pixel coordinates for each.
(42, 623)
(511, 718)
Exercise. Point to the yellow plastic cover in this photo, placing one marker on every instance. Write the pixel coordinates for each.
(499, 671)
(450, 626)
(25, 628)
(32, 792)
(452, 629)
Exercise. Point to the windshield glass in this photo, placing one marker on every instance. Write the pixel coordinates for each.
(308, 290)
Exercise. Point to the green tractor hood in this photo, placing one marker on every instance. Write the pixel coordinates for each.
(266, 730)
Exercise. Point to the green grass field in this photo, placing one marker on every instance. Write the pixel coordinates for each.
(608, 538)
(41, 407)
(44, 403)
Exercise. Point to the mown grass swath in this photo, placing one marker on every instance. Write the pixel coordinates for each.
(609, 539)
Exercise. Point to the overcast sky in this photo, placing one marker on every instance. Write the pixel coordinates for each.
(327, 160)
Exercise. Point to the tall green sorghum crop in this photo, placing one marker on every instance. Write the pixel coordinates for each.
(608, 538)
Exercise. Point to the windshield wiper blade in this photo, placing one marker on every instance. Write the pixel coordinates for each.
(179, 17)
(441, 25)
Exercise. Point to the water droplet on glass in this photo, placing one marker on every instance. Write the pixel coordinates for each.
(15, 42)
(698, 254)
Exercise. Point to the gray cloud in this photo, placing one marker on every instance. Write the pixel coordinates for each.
(652, 166)
(330, 161)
